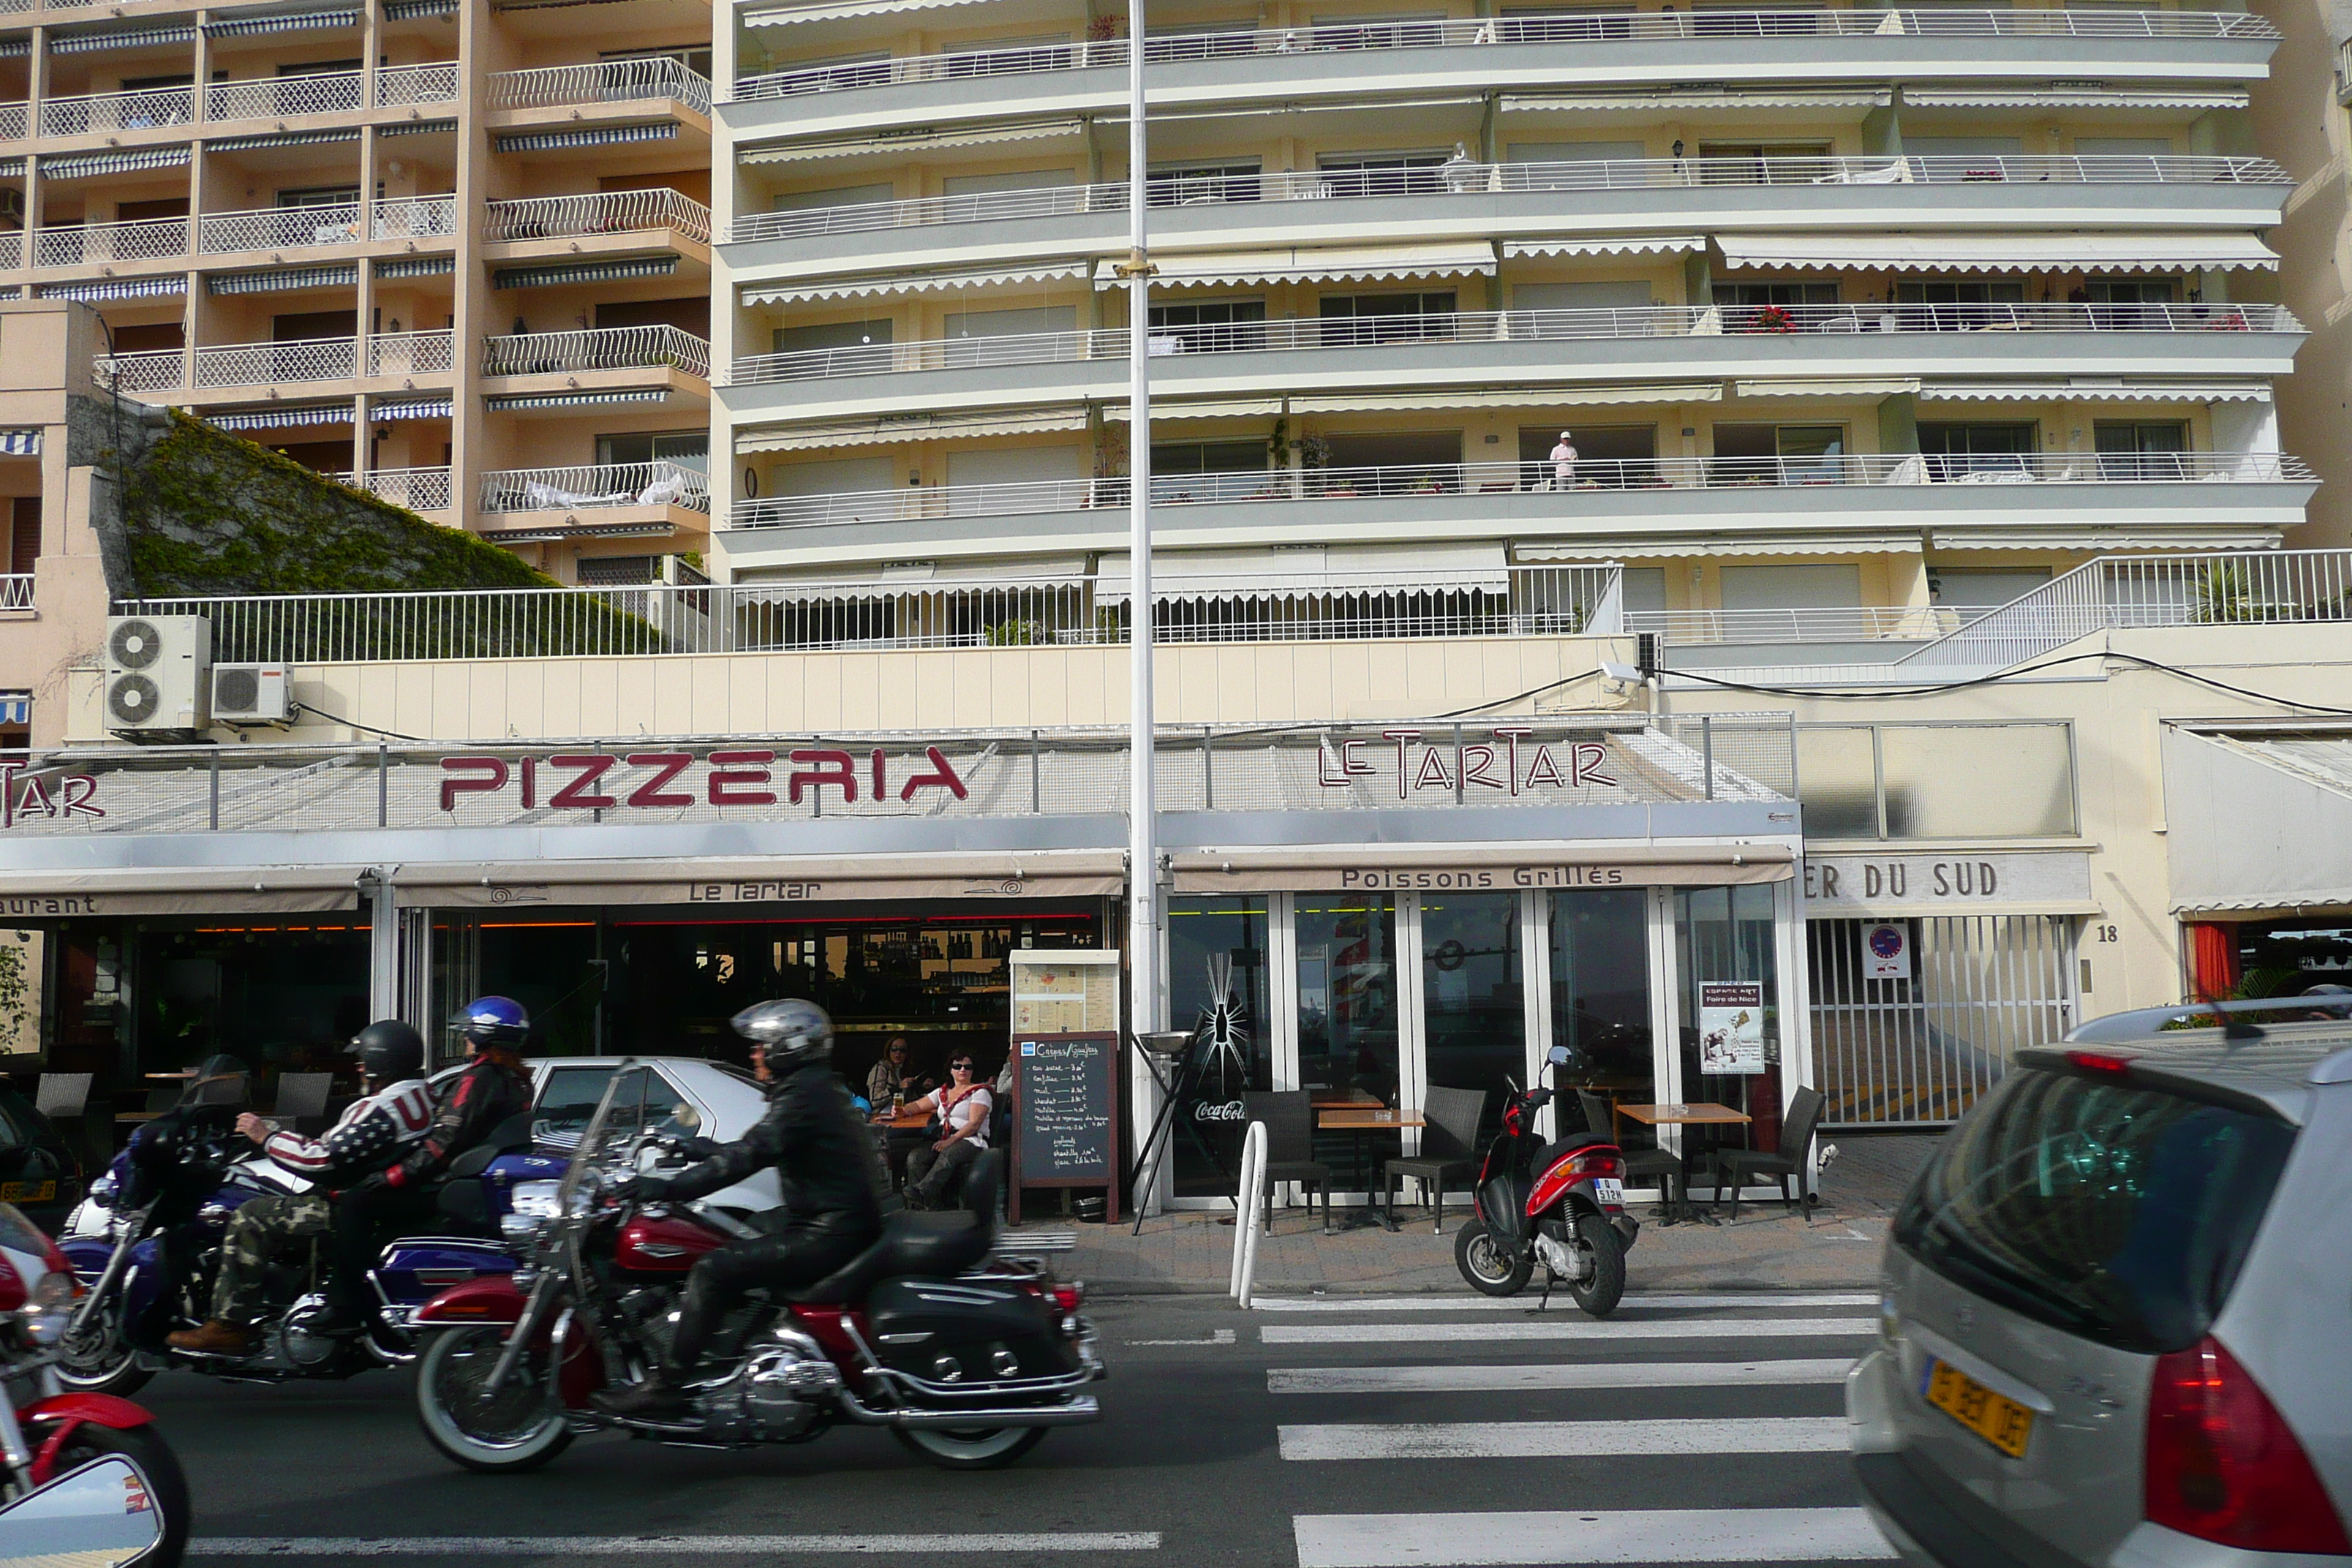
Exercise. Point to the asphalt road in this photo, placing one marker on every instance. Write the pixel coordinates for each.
(1333, 1433)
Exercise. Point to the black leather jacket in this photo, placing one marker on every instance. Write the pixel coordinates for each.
(485, 1094)
(819, 1149)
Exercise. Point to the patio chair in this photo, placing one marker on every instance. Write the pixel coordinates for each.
(1786, 1162)
(1289, 1118)
(1448, 1144)
(62, 1093)
(302, 1098)
(1660, 1163)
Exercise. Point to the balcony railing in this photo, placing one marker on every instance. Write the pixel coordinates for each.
(418, 490)
(153, 369)
(89, 115)
(13, 120)
(600, 81)
(79, 245)
(12, 250)
(410, 87)
(1642, 26)
(2118, 592)
(597, 213)
(1863, 622)
(410, 353)
(265, 364)
(602, 485)
(1439, 180)
(344, 222)
(17, 591)
(1507, 326)
(602, 348)
(1443, 480)
(329, 92)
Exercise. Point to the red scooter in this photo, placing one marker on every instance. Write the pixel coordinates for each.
(1561, 1205)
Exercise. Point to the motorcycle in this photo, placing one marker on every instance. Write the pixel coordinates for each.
(1561, 1205)
(84, 1477)
(970, 1363)
(147, 1246)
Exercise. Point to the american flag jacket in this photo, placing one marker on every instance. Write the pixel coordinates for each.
(376, 1131)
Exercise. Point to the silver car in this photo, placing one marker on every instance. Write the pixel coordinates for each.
(2116, 1327)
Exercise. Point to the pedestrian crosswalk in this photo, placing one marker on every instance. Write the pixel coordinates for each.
(1697, 1429)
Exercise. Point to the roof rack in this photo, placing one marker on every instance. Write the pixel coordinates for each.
(2141, 1022)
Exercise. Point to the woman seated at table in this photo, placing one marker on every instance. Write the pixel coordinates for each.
(963, 1109)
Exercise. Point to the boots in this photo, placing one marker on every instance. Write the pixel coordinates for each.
(661, 1397)
(217, 1337)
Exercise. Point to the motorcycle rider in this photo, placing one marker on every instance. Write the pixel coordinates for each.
(832, 1209)
(494, 1087)
(395, 1112)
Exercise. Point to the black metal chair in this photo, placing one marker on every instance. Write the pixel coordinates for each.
(1660, 1163)
(1786, 1162)
(63, 1093)
(1449, 1142)
(1289, 1118)
(302, 1099)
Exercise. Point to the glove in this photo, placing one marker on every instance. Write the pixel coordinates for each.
(639, 1190)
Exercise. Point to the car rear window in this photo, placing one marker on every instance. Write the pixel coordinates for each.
(2116, 1211)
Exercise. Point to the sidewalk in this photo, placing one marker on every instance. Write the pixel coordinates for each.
(1769, 1249)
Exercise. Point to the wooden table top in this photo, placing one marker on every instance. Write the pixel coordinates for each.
(914, 1123)
(1367, 1118)
(1703, 1113)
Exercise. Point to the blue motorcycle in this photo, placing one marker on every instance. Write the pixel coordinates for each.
(147, 1245)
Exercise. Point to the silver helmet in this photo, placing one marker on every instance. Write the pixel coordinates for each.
(792, 1032)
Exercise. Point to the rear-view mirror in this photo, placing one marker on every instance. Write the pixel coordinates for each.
(1557, 1056)
(103, 1515)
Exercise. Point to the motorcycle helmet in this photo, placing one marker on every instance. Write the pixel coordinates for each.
(791, 1031)
(389, 1051)
(493, 1023)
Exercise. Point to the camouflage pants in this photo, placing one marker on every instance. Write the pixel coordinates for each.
(261, 1227)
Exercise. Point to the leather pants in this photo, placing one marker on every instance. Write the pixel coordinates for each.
(788, 1260)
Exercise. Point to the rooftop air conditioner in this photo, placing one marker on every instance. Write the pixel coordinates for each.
(250, 694)
(156, 670)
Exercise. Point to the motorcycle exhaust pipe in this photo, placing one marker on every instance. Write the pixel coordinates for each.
(1075, 1412)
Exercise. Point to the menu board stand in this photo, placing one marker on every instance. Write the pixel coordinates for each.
(1065, 1116)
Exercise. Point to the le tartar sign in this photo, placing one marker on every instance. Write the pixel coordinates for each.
(2055, 881)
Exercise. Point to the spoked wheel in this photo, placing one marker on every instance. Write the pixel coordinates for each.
(1487, 1267)
(971, 1448)
(518, 1428)
(99, 1359)
(1603, 1285)
(167, 1485)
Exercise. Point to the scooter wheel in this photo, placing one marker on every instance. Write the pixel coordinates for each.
(1599, 1294)
(1487, 1267)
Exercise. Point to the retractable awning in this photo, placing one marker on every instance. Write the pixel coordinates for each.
(836, 585)
(918, 283)
(841, 10)
(78, 43)
(1515, 397)
(1344, 264)
(89, 165)
(283, 418)
(1607, 245)
(584, 272)
(821, 434)
(281, 22)
(514, 402)
(425, 408)
(2071, 98)
(597, 136)
(1246, 574)
(2260, 820)
(281, 139)
(1650, 546)
(115, 288)
(407, 10)
(2094, 391)
(2064, 537)
(1164, 409)
(20, 443)
(417, 266)
(1699, 97)
(416, 127)
(1998, 252)
(900, 146)
(278, 280)
(1827, 386)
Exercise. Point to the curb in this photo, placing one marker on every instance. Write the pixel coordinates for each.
(1116, 1289)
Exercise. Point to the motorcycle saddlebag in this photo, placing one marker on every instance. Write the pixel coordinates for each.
(965, 1331)
(415, 1270)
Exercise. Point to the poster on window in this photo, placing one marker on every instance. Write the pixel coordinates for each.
(1730, 1027)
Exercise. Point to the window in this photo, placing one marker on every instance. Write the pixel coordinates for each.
(1182, 470)
(1959, 292)
(1382, 174)
(1194, 185)
(1347, 993)
(1727, 981)
(849, 341)
(1010, 57)
(1602, 164)
(1764, 163)
(618, 571)
(687, 448)
(1205, 326)
(1393, 462)
(1217, 987)
(1962, 451)
(320, 68)
(694, 58)
(1390, 32)
(2124, 302)
(837, 197)
(1412, 316)
(1767, 307)
(1778, 454)
(2141, 449)
(1809, 586)
(319, 197)
(1922, 781)
(1970, 589)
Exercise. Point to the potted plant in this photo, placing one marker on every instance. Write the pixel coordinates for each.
(1773, 319)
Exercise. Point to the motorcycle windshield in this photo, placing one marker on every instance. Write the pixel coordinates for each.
(591, 1138)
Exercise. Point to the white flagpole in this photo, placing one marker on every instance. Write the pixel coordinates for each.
(1143, 855)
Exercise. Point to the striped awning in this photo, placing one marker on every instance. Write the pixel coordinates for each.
(115, 288)
(521, 400)
(1612, 244)
(416, 127)
(278, 280)
(280, 22)
(2103, 539)
(417, 266)
(421, 408)
(915, 283)
(281, 139)
(283, 418)
(21, 443)
(2096, 391)
(16, 48)
(89, 165)
(932, 142)
(407, 10)
(1512, 398)
(83, 42)
(817, 435)
(1635, 547)
(597, 136)
(1335, 263)
(2073, 98)
(836, 10)
(13, 291)
(12, 168)
(584, 272)
(16, 708)
(1700, 97)
(1919, 252)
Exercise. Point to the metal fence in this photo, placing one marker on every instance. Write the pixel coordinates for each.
(599, 348)
(90, 114)
(601, 212)
(285, 97)
(1737, 754)
(342, 223)
(599, 484)
(147, 239)
(410, 353)
(418, 490)
(17, 591)
(1862, 622)
(406, 86)
(599, 81)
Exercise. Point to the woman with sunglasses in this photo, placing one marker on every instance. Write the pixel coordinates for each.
(963, 1109)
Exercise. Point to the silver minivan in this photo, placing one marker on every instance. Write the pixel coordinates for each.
(2117, 1325)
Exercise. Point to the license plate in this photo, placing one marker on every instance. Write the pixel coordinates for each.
(27, 1192)
(1608, 1190)
(1999, 1420)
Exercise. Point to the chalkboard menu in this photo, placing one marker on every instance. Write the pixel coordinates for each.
(1065, 1112)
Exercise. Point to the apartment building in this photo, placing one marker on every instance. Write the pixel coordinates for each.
(454, 250)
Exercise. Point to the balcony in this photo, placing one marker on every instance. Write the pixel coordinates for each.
(614, 220)
(602, 487)
(599, 83)
(386, 355)
(1828, 624)
(598, 349)
(330, 92)
(1665, 499)
(152, 239)
(109, 113)
(1487, 201)
(1633, 49)
(276, 229)
(12, 121)
(417, 489)
(1485, 347)
(12, 250)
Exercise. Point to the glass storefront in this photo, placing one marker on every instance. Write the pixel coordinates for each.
(1217, 988)
(1347, 1012)
(1474, 994)
(1600, 998)
(1727, 1010)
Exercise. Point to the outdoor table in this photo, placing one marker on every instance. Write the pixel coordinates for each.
(1344, 1099)
(1357, 1121)
(900, 1135)
(1705, 1113)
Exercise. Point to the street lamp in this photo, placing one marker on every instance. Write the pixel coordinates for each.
(1142, 840)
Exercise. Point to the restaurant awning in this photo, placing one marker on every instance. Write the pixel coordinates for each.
(2010, 252)
(1309, 867)
(1332, 265)
(2260, 819)
(901, 147)
(882, 432)
(910, 283)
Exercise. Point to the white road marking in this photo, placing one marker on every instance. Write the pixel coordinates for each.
(1443, 1302)
(1219, 1336)
(1563, 1439)
(1566, 1326)
(332, 1546)
(1527, 1540)
(1484, 1377)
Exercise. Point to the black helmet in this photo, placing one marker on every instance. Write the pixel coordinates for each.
(494, 1022)
(791, 1031)
(389, 1051)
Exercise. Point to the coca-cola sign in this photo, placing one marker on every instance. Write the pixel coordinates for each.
(744, 775)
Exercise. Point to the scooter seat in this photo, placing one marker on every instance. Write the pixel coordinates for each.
(915, 1243)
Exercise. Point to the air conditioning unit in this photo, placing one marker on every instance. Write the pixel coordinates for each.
(157, 675)
(250, 694)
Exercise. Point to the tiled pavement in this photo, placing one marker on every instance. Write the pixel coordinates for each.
(1769, 1248)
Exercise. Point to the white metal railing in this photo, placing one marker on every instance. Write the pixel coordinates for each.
(285, 97)
(2209, 588)
(599, 348)
(407, 87)
(17, 591)
(76, 245)
(600, 81)
(410, 353)
(600, 212)
(87, 114)
(1442, 480)
(153, 369)
(1508, 32)
(1821, 624)
(1505, 326)
(418, 490)
(12, 250)
(13, 120)
(341, 223)
(1445, 179)
(265, 364)
(599, 484)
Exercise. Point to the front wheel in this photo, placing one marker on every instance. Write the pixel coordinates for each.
(974, 1449)
(167, 1485)
(519, 1428)
(1488, 1266)
(1604, 1287)
(98, 1358)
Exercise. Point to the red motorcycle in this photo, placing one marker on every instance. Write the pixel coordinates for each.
(968, 1362)
(1561, 1205)
(82, 1476)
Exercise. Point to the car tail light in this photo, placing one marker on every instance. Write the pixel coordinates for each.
(2223, 1466)
(2102, 1064)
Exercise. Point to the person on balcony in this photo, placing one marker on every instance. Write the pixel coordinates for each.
(1563, 463)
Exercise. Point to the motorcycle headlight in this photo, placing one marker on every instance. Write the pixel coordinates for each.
(48, 1308)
